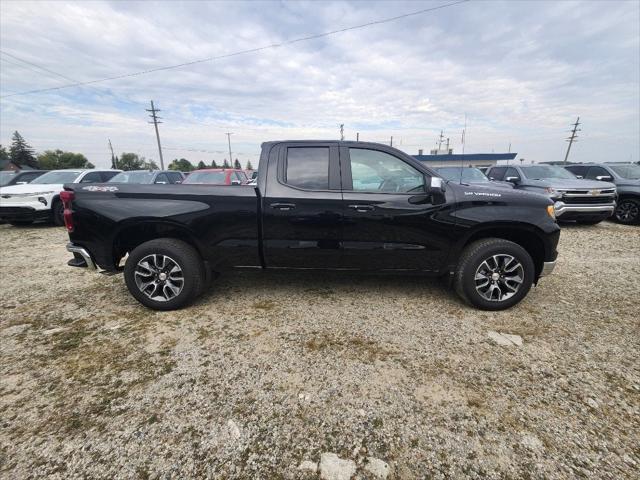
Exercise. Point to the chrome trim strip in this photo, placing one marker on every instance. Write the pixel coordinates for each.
(83, 253)
(562, 208)
(547, 268)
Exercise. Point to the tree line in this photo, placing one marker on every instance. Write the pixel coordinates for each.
(22, 155)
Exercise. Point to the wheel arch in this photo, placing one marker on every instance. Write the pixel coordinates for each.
(528, 237)
(131, 235)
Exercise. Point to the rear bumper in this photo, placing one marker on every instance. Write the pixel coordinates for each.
(547, 268)
(81, 257)
(569, 211)
(10, 214)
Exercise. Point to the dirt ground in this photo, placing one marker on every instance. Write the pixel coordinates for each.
(269, 370)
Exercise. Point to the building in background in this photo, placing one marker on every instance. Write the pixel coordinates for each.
(446, 158)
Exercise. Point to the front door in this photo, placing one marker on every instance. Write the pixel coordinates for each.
(389, 222)
(302, 207)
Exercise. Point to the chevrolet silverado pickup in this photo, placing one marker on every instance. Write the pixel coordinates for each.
(317, 205)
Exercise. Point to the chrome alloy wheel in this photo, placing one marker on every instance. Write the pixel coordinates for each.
(499, 277)
(627, 211)
(159, 277)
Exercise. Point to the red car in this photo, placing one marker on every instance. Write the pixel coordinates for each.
(217, 176)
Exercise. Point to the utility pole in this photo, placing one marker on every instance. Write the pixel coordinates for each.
(155, 124)
(228, 134)
(113, 157)
(357, 136)
(440, 140)
(391, 144)
(572, 138)
(341, 131)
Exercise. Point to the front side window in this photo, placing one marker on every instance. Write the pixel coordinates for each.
(162, 178)
(596, 172)
(375, 171)
(308, 168)
(497, 173)
(92, 177)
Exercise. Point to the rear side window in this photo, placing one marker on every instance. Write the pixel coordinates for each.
(497, 173)
(308, 168)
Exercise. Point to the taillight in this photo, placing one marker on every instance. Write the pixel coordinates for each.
(67, 197)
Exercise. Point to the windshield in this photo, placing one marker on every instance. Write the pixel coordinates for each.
(471, 175)
(58, 176)
(133, 177)
(546, 171)
(627, 171)
(215, 178)
(5, 177)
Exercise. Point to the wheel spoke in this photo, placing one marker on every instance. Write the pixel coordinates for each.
(159, 277)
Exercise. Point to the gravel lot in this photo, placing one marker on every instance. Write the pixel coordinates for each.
(270, 370)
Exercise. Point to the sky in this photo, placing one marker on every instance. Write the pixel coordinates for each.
(519, 72)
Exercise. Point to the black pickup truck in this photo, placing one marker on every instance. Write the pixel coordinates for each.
(349, 206)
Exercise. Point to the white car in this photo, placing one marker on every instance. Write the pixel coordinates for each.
(39, 200)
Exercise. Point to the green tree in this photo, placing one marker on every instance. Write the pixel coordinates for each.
(4, 155)
(236, 164)
(201, 165)
(56, 159)
(21, 152)
(214, 164)
(225, 164)
(132, 161)
(182, 165)
(249, 166)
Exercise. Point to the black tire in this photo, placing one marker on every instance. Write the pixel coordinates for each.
(470, 262)
(57, 213)
(627, 211)
(180, 253)
(21, 223)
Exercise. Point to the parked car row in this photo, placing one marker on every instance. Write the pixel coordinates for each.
(34, 195)
(585, 193)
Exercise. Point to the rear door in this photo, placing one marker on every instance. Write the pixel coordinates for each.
(389, 222)
(302, 207)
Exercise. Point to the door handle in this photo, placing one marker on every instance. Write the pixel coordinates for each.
(362, 208)
(283, 206)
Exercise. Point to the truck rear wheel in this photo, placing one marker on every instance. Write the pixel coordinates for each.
(164, 274)
(494, 274)
(57, 213)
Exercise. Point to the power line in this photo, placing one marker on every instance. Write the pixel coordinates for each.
(243, 52)
(38, 66)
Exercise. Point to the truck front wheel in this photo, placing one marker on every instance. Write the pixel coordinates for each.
(164, 274)
(494, 274)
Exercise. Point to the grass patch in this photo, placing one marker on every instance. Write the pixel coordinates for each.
(361, 348)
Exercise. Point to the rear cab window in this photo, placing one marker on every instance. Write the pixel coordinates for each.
(307, 168)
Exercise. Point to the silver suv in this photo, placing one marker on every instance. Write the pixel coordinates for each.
(585, 201)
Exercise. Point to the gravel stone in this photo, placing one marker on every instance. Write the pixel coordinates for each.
(333, 467)
(393, 368)
(376, 467)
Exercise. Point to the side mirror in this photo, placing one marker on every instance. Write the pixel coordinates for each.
(604, 178)
(236, 182)
(513, 180)
(436, 185)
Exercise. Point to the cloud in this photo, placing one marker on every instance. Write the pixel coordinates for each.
(520, 71)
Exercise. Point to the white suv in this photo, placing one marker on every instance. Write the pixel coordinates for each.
(39, 200)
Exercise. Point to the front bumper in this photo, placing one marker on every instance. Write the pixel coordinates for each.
(22, 213)
(81, 257)
(564, 210)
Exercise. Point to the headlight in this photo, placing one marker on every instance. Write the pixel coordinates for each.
(553, 193)
(551, 211)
